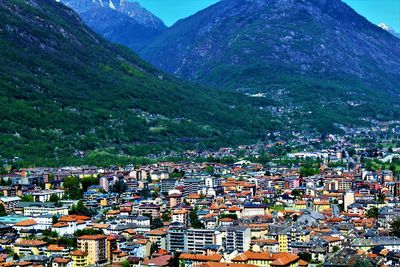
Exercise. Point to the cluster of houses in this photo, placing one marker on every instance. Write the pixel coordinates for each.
(191, 214)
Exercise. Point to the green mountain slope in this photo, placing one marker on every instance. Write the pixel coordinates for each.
(65, 92)
(319, 59)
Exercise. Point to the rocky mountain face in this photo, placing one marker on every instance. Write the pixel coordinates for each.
(389, 29)
(67, 95)
(318, 58)
(119, 21)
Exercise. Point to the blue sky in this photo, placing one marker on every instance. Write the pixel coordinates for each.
(387, 11)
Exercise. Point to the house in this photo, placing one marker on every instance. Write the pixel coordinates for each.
(266, 259)
(250, 209)
(181, 216)
(197, 260)
(70, 224)
(57, 251)
(30, 247)
(25, 225)
(62, 262)
(79, 258)
(160, 261)
(9, 203)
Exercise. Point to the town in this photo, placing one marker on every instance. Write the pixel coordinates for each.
(334, 202)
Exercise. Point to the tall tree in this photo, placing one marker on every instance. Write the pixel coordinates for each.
(373, 212)
(194, 219)
(2, 211)
(395, 227)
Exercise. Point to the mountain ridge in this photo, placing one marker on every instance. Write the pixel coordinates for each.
(67, 96)
(388, 29)
(321, 53)
(119, 21)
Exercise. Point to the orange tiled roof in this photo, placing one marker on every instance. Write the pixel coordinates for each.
(225, 264)
(113, 212)
(74, 218)
(140, 241)
(250, 255)
(200, 257)
(303, 263)
(30, 243)
(157, 232)
(78, 253)
(227, 220)
(111, 237)
(28, 222)
(331, 238)
(284, 258)
(61, 260)
(182, 211)
(101, 225)
(53, 247)
(92, 237)
(234, 208)
(60, 225)
(24, 263)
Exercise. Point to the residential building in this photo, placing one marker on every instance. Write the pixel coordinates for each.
(96, 248)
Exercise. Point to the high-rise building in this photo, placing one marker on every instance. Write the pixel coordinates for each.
(96, 248)
(167, 185)
(192, 186)
(238, 238)
(184, 239)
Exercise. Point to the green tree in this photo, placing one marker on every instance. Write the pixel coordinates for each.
(73, 188)
(305, 256)
(54, 198)
(362, 263)
(177, 174)
(27, 198)
(80, 209)
(231, 216)
(145, 192)
(87, 182)
(194, 219)
(3, 170)
(395, 227)
(157, 223)
(153, 248)
(125, 263)
(210, 169)
(296, 193)
(119, 187)
(54, 219)
(373, 212)
(15, 257)
(88, 231)
(67, 242)
(165, 216)
(2, 211)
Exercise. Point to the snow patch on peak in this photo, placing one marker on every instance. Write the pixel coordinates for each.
(384, 26)
(111, 4)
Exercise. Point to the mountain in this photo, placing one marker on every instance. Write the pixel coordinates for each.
(322, 61)
(119, 21)
(67, 96)
(388, 29)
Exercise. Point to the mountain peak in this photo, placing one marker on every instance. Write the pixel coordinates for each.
(299, 46)
(63, 86)
(384, 26)
(389, 29)
(132, 9)
(119, 21)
